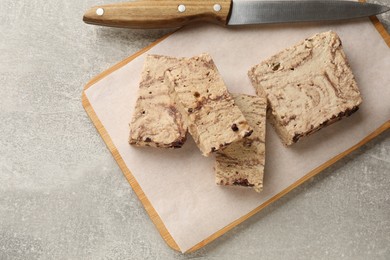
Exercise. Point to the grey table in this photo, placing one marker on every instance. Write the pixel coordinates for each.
(62, 195)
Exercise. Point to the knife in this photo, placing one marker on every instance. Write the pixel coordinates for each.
(148, 14)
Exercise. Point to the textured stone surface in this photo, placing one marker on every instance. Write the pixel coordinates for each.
(62, 196)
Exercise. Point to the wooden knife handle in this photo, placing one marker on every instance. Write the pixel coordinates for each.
(159, 13)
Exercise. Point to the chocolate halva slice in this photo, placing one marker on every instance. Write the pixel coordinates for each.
(156, 122)
(242, 162)
(308, 86)
(208, 109)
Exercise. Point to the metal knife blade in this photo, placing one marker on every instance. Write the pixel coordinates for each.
(176, 13)
(260, 12)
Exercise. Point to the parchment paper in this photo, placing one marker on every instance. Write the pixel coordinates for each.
(180, 183)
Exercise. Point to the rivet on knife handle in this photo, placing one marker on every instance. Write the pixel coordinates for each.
(159, 14)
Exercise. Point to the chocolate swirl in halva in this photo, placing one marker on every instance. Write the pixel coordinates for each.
(242, 163)
(156, 121)
(208, 109)
(308, 86)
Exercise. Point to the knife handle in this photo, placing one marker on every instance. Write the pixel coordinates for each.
(148, 14)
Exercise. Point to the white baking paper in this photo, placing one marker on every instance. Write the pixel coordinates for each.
(180, 183)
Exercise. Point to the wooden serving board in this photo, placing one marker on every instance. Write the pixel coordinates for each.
(137, 187)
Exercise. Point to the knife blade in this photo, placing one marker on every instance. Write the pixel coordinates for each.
(148, 14)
